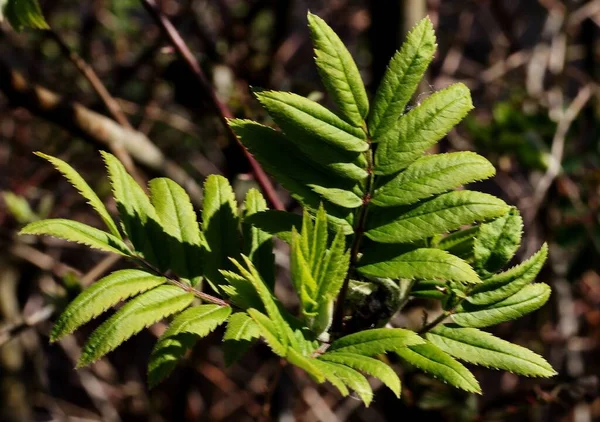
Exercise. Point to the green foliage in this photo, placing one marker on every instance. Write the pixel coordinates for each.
(382, 223)
(23, 14)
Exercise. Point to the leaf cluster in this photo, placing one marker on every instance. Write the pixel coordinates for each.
(383, 223)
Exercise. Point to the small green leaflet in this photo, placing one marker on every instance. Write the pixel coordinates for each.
(421, 128)
(23, 14)
(375, 342)
(301, 118)
(438, 363)
(481, 348)
(339, 72)
(528, 299)
(270, 332)
(343, 198)
(497, 242)
(459, 243)
(305, 363)
(422, 263)
(502, 285)
(102, 295)
(367, 365)
(432, 175)
(78, 232)
(402, 77)
(178, 219)
(353, 379)
(220, 227)
(258, 244)
(84, 189)
(442, 214)
(137, 214)
(138, 313)
(240, 333)
(186, 328)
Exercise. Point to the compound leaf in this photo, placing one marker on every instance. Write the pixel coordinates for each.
(439, 215)
(502, 285)
(220, 225)
(375, 342)
(421, 128)
(432, 175)
(186, 328)
(178, 219)
(497, 242)
(339, 72)
(528, 299)
(258, 244)
(353, 379)
(402, 78)
(138, 313)
(422, 263)
(74, 231)
(368, 365)
(481, 348)
(270, 332)
(438, 363)
(100, 296)
(84, 189)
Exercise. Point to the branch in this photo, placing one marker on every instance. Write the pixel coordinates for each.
(91, 126)
(219, 107)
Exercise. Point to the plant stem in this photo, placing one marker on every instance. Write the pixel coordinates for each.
(220, 108)
(176, 282)
(338, 315)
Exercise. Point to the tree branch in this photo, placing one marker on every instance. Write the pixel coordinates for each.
(219, 107)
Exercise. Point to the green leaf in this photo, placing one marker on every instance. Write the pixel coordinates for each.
(100, 296)
(241, 332)
(300, 119)
(432, 175)
(137, 314)
(343, 198)
(258, 244)
(528, 299)
(402, 77)
(500, 286)
(439, 215)
(302, 277)
(305, 363)
(84, 189)
(240, 291)
(74, 231)
(270, 332)
(138, 216)
(438, 363)
(367, 365)
(421, 128)
(23, 14)
(334, 268)
(459, 243)
(422, 263)
(330, 375)
(497, 242)
(293, 170)
(186, 328)
(339, 72)
(375, 342)
(241, 327)
(284, 331)
(481, 348)
(353, 379)
(178, 219)
(276, 223)
(18, 207)
(220, 226)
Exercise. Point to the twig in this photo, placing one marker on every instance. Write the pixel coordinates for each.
(220, 108)
(557, 149)
(9, 331)
(109, 102)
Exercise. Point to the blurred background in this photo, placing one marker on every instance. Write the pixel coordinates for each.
(107, 77)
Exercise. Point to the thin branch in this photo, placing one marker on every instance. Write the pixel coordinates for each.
(111, 105)
(220, 108)
(558, 147)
